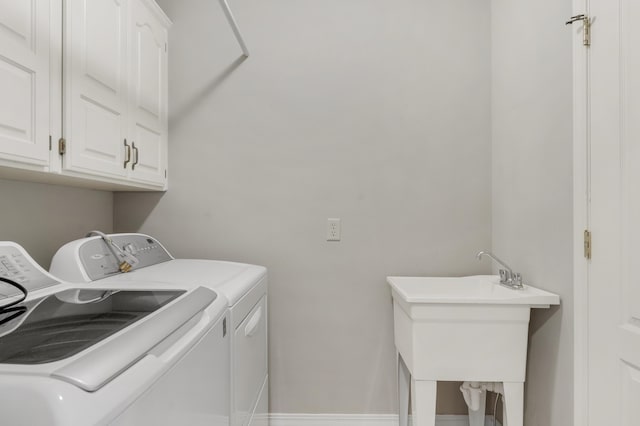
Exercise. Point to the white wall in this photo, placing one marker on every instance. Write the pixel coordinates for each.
(41, 217)
(374, 111)
(532, 184)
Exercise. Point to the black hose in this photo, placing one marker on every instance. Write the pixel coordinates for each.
(11, 309)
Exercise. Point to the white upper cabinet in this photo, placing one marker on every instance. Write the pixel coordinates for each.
(116, 90)
(96, 93)
(24, 83)
(108, 105)
(148, 113)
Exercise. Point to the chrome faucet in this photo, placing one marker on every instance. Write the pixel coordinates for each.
(508, 278)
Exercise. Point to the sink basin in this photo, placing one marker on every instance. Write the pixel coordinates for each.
(479, 289)
(465, 328)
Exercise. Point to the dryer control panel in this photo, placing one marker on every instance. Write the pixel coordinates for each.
(18, 266)
(99, 262)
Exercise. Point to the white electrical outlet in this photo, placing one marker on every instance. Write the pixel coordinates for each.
(333, 229)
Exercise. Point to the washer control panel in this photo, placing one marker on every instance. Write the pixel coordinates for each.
(99, 261)
(17, 265)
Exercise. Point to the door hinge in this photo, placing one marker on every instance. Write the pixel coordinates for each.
(165, 173)
(50, 138)
(586, 32)
(62, 146)
(587, 244)
(166, 47)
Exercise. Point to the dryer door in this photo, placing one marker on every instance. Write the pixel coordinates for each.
(250, 368)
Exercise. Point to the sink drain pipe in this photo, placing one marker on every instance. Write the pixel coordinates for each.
(475, 395)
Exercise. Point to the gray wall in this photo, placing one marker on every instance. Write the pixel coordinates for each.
(43, 217)
(532, 184)
(374, 111)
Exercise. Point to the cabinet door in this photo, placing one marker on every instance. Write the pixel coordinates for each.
(148, 113)
(95, 91)
(24, 81)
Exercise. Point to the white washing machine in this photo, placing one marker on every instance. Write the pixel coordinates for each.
(244, 286)
(79, 355)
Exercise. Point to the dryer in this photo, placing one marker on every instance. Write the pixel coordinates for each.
(90, 260)
(78, 354)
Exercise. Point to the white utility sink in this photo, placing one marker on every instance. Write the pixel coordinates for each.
(461, 329)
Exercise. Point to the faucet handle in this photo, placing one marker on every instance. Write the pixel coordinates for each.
(517, 280)
(505, 276)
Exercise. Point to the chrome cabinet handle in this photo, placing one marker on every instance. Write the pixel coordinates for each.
(128, 158)
(137, 152)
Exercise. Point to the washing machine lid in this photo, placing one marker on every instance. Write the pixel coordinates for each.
(64, 324)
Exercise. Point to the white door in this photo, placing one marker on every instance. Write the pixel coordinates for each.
(24, 81)
(96, 86)
(613, 126)
(148, 119)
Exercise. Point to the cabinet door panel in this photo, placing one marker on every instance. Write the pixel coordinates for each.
(149, 96)
(16, 22)
(149, 73)
(16, 117)
(96, 90)
(149, 156)
(102, 127)
(102, 51)
(24, 81)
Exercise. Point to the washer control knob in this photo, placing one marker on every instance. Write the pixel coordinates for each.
(129, 248)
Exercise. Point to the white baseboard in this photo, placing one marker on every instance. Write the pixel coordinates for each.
(283, 419)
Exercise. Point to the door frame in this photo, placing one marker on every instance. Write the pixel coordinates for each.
(581, 196)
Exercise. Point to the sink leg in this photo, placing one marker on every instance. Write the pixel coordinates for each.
(404, 378)
(423, 402)
(513, 403)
